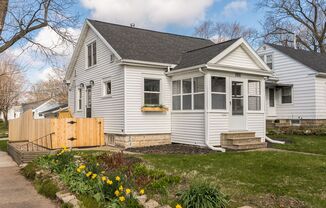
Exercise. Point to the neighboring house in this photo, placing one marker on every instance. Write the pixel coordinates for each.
(13, 113)
(40, 106)
(156, 88)
(297, 94)
(55, 112)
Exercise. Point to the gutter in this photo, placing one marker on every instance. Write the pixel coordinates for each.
(206, 117)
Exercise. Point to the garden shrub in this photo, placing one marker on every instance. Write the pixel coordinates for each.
(47, 188)
(67, 205)
(203, 195)
(88, 202)
(29, 171)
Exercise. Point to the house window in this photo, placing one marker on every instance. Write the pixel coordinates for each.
(152, 92)
(107, 87)
(271, 98)
(186, 94)
(254, 95)
(199, 88)
(91, 54)
(218, 91)
(286, 95)
(79, 98)
(269, 61)
(176, 95)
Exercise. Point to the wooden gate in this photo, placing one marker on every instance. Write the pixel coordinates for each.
(56, 133)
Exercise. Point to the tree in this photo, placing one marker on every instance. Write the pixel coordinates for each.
(52, 87)
(21, 19)
(296, 21)
(222, 31)
(11, 86)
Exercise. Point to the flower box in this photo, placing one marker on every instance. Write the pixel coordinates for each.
(154, 109)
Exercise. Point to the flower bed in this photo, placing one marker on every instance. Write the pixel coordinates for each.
(101, 179)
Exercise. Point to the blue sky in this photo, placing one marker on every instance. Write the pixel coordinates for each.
(175, 16)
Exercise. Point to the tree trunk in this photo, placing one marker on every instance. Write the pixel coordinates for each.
(3, 12)
(5, 118)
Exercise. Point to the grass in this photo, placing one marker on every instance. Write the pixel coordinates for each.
(302, 143)
(3, 130)
(3, 146)
(47, 188)
(261, 179)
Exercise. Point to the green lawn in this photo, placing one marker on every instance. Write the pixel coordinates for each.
(3, 146)
(260, 179)
(302, 143)
(3, 130)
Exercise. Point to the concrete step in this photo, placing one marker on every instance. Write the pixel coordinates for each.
(244, 140)
(246, 146)
(238, 134)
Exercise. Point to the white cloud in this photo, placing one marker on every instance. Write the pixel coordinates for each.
(45, 74)
(234, 7)
(149, 13)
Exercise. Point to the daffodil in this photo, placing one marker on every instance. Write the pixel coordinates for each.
(103, 178)
(82, 167)
(117, 178)
(178, 206)
(89, 173)
(109, 182)
(79, 170)
(142, 192)
(121, 188)
(94, 176)
(122, 198)
(117, 193)
(128, 191)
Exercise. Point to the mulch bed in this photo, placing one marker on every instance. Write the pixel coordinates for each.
(171, 149)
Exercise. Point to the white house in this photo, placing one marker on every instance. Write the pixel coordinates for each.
(13, 112)
(40, 106)
(297, 94)
(156, 88)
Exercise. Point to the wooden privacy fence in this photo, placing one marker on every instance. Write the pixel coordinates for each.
(54, 133)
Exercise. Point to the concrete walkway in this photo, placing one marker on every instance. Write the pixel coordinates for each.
(15, 190)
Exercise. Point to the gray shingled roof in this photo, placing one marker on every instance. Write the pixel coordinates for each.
(202, 55)
(314, 60)
(146, 45)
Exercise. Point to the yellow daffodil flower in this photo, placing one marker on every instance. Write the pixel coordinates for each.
(103, 178)
(109, 182)
(94, 176)
(178, 206)
(121, 188)
(142, 192)
(122, 198)
(89, 173)
(117, 178)
(117, 193)
(79, 170)
(128, 191)
(82, 167)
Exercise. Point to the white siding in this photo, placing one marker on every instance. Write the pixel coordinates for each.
(218, 123)
(320, 98)
(110, 108)
(239, 58)
(138, 122)
(301, 77)
(188, 128)
(256, 123)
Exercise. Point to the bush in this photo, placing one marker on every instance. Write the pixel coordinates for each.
(67, 205)
(203, 195)
(88, 202)
(47, 188)
(29, 171)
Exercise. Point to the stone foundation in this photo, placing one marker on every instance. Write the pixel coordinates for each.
(311, 126)
(137, 140)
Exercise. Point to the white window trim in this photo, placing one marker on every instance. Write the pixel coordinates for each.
(86, 54)
(79, 97)
(261, 97)
(226, 110)
(104, 81)
(292, 95)
(160, 93)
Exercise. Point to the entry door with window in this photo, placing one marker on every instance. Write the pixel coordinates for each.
(237, 110)
(271, 110)
(88, 102)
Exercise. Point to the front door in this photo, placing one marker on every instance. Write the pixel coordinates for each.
(88, 102)
(237, 108)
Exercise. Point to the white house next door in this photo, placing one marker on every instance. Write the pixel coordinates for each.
(237, 108)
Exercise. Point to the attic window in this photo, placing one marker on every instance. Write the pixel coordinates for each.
(269, 61)
(91, 54)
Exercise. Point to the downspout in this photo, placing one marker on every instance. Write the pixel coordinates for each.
(206, 123)
(273, 141)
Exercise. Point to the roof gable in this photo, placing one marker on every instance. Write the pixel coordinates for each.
(313, 60)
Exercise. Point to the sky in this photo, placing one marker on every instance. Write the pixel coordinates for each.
(175, 16)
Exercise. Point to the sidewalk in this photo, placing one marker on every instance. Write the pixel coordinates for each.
(16, 191)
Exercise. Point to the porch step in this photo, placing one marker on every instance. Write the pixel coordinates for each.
(242, 140)
(246, 146)
(238, 134)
